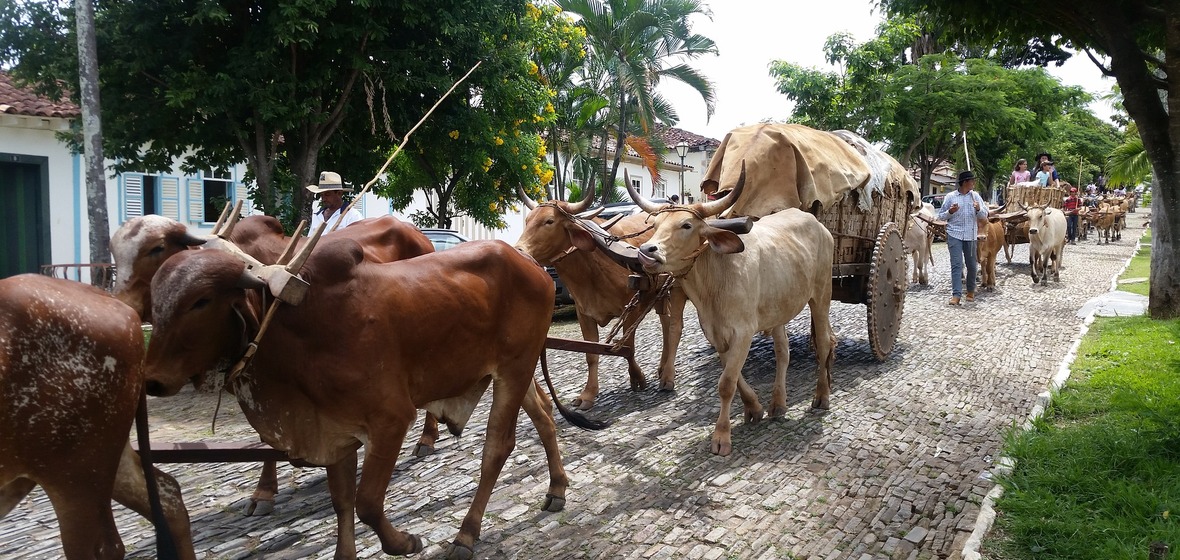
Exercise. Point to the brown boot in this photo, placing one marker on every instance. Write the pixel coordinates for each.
(970, 297)
(954, 301)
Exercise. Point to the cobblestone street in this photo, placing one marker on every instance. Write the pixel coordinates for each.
(896, 469)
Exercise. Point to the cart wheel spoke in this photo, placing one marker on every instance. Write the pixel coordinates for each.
(886, 290)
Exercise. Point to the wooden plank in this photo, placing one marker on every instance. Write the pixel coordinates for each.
(586, 347)
(210, 452)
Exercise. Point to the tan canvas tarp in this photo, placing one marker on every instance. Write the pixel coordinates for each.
(787, 166)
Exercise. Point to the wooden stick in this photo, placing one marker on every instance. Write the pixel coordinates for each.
(405, 139)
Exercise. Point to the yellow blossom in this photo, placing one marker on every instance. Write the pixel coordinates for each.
(541, 150)
(533, 69)
(549, 109)
(515, 150)
(454, 135)
(499, 141)
(487, 164)
(538, 118)
(492, 207)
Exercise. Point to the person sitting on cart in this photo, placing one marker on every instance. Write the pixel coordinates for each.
(1070, 207)
(1043, 157)
(1046, 175)
(961, 210)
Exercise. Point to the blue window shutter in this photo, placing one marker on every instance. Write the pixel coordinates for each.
(132, 195)
(170, 197)
(196, 200)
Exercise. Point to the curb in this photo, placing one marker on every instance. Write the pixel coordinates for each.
(1005, 464)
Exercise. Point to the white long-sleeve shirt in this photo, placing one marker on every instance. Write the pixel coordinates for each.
(961, 225)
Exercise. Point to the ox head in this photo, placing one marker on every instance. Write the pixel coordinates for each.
(550, 229)
(1036, 218)
(203, 322)
(140, 246)
(681, 233)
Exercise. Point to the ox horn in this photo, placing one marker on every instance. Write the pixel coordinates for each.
(525, 198)
(718, 206)
(592, 213)
(584, 204)
(644, 203)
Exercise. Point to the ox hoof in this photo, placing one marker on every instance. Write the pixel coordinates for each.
(754, 417)
(459, 552)
(667, 387)
(778, 411)
(819, 404)
(639, 384)
(423, 450)
(582, 404)
(258, 507)
(553, 503)
(722, 448)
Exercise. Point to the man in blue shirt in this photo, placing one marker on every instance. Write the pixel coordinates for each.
(960, 210)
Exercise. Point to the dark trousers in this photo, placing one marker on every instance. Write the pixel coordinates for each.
(1071, 226)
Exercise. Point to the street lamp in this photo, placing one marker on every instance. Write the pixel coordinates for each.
(682, 150)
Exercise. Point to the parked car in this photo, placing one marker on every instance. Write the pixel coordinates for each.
(444, 239)
(934, 199)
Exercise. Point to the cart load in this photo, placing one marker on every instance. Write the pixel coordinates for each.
(862, 196)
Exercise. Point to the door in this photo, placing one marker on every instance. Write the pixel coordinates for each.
(24, 243)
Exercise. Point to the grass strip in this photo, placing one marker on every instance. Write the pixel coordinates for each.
(1098, 476)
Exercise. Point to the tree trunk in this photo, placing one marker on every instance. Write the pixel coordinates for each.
(96, 185)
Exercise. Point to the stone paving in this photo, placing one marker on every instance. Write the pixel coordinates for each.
(896, 469)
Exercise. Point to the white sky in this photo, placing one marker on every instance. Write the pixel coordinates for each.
(752, 33)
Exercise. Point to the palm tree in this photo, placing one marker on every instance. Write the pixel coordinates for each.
(635, 44)
(1128, 163)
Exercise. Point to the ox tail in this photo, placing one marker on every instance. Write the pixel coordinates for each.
(572, 416)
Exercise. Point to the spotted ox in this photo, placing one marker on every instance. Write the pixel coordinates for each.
(599, 285)
(987, 250)
(142, 244)
(430, 332)
(917, 242)
(71, 370)
(741, 285)
(1046, 241)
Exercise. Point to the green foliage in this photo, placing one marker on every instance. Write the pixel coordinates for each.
(1099, 476)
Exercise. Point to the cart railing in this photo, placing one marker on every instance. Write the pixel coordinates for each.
(98, 274)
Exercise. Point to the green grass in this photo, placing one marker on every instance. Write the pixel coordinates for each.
(1140, 267)
(1098, 477)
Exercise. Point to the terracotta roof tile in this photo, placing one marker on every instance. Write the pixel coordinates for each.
(17, 100)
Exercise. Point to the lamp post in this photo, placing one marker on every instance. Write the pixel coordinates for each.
(682, 150)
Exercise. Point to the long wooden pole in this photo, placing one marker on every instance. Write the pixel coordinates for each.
(388, 161)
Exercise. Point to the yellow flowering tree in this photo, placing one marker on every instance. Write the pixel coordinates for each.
(484, 141)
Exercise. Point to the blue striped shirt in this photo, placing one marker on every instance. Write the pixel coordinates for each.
(961, 225)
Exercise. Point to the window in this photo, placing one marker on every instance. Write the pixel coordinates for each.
(660, 189)
(217, 186)
(637, 185)
(150, 204)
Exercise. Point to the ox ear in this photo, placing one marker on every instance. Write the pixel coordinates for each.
(581, 239)
(724, 241)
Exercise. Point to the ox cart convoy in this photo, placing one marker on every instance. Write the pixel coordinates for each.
(800, 217)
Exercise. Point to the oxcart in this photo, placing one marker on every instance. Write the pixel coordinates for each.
(1018, 199)
(860, 194)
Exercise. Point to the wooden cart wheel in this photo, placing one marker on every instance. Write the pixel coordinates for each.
(886, 290)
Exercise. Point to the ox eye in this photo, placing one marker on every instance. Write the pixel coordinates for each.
(549, 222)
(156, 251)
(200, 304)
(686, 225)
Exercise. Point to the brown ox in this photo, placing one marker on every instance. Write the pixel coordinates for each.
(599, 285)
(142, 244)
(71, 370)
(430, 332)
(987, 249)
(742, 285)
(1104, 222)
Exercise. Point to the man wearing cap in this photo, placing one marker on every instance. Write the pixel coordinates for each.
(1070, 207)
(960, 210)
(331, 191)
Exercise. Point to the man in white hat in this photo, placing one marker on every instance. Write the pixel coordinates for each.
(331, 191)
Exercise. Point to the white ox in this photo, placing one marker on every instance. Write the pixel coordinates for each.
(743, 285)
(918, 239)
(1046, 240)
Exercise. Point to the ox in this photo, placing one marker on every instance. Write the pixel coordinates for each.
(1104, 222)
(987, 250)
(1046, 240)
(143, 243)
(917, 242)
(552, 236)
(743, 285)
(71, 371)
(430, 332)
